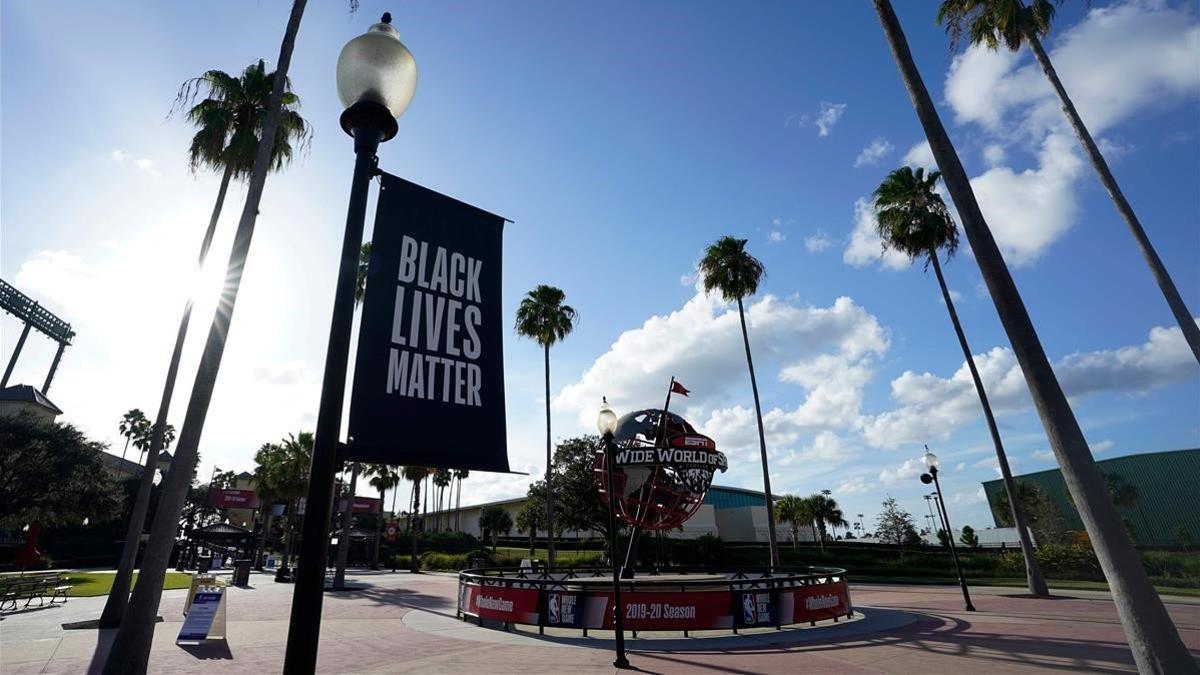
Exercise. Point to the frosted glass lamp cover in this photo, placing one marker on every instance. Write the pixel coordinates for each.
(930, 459)
(377, 67)
(606, 421)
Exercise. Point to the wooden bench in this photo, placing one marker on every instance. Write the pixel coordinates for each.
(30, 586)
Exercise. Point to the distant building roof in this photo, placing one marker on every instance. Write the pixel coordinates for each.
(26, 393)
(719, 497)
(120, 464)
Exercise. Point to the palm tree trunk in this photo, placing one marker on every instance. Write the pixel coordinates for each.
(126, 448)
(339, 574)
(1152, 636)
(262, 546)
(762, 442)
(130, 652)
(1033, 573)
(414, 563)
(118, 595)
(549, 471)
(1191, 332)
(378, 531)
(458, 508)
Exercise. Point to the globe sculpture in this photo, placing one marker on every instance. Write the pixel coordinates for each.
(662, 469)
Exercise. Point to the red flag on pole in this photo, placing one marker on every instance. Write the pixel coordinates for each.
(677, 388)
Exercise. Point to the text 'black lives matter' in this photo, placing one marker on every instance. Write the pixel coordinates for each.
(429, 377)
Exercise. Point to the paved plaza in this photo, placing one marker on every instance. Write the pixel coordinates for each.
(402, 623)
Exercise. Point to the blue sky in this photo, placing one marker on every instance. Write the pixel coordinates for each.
(622, 139)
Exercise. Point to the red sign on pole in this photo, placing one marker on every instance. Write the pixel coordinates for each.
(390, 532)
(363, 504)
(514, 605)
(232, 499)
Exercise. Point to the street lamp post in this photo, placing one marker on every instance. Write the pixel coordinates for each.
(376, 78)
(931, 463)
(606, 422)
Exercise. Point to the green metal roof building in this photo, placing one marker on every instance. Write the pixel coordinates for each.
(1167, 495)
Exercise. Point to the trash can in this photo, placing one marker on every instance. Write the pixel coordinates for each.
(204, 564)
(241, 572)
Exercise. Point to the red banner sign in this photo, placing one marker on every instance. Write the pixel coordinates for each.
(514, 605)
(701, 610)
(232, 499)
(813, 603)
(363, 504)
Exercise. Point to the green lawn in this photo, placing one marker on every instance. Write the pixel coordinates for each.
(89, 584)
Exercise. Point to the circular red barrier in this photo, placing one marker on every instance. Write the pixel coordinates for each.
(672, 600)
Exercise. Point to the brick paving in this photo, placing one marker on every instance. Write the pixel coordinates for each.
(401, 623)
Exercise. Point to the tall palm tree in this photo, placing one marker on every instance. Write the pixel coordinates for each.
(130, 652)
(914, 220)
(230, 121)
(545, 317)
(459, 475)
(383, 478)
(343, 552)
(145, 438)
(793, 510)
(133, 425)
(1152, 636)
(441, 479)
(730, 270)
(1011, 23)
(415, 474)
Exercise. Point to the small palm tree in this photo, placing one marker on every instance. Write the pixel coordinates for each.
(441, 480)
(383, 478)
(793, 510)
(545, 317)
(825, 512)
(1012, 23)
(529, 520)
(459, 475)
(133, 425)
(495, 521)
(914, 220)
(735, 274)
(414, 474)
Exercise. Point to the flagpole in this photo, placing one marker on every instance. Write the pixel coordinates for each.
(630, 563)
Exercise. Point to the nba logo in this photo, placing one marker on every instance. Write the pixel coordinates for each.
(553, 607)
(749, 615)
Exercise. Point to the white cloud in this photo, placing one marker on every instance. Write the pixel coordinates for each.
(825, 351)
(775, 236)
(976, 497)
(1150, 48)
(1102, 446)
(818, 242)
(828, 117)
(955, 297)
(994, 154)
(920, 155)
(1043, 455)
(853, 486)
(1029, 210)
(874, 152)
(930, 406)
(910, 469)
(864, 247)
(143, 164)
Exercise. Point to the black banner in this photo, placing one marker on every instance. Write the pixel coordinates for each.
(429, 377)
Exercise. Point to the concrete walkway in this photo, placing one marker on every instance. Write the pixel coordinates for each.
(401, 623)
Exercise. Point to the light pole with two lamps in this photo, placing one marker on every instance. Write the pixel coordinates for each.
(606, 423)
(376, 79)
(931, 463)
